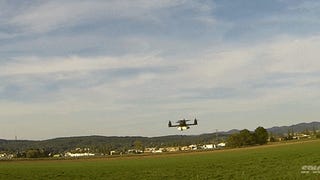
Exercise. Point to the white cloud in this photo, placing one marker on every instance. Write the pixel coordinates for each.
(236, 68)
(53, 15)
(37, 65)
(238, 65)
(296, 56)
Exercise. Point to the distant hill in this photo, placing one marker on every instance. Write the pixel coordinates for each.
(281, 130)
(103, 142)
(121, 143)
(296, 128)
(232, 131)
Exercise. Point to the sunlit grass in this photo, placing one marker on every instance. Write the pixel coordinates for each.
(268, 162)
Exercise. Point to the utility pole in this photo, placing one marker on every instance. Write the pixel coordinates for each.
(216, 135)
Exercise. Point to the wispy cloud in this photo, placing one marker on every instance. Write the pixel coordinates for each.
(50, 15)
(37, 65)
(236, 68)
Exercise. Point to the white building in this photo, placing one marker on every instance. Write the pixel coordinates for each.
(209, 146)
(78, 154)
(157, 151)
(221, 144)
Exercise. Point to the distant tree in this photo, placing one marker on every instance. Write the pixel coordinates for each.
(247, 138)
(138, 145)
(105, 149)
(271, 137)
(243, 138)
(289, 135)
(314, 131)
(234, 140)
(261, 135)
(20, 154)
(306, 131)
(292, 132)
(36, 153)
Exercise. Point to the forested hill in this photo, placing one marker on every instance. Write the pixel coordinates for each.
(122, 143)
(118, 143)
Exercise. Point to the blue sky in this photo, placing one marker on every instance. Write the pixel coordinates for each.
(123, 67)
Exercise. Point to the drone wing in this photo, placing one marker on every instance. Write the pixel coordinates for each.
(170, 125)
(195, 122)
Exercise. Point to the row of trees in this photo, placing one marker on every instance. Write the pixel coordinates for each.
(33, 153)
(247, 138)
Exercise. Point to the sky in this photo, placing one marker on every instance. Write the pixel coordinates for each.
(127, 67)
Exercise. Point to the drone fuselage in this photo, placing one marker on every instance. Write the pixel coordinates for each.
(181, 128)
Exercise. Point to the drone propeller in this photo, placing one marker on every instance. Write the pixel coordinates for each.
(195, 121)
(169, 124)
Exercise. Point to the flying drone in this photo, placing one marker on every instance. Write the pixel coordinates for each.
(182, 124)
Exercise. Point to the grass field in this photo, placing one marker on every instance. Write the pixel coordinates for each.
(281, 161)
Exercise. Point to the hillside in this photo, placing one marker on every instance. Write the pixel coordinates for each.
(103, 142)
(296, 128)
(122, 143)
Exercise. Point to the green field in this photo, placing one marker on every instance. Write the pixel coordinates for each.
(281, 161)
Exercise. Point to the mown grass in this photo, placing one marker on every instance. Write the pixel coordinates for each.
(282, 161)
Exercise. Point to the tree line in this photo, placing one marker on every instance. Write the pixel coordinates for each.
(247, 138)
